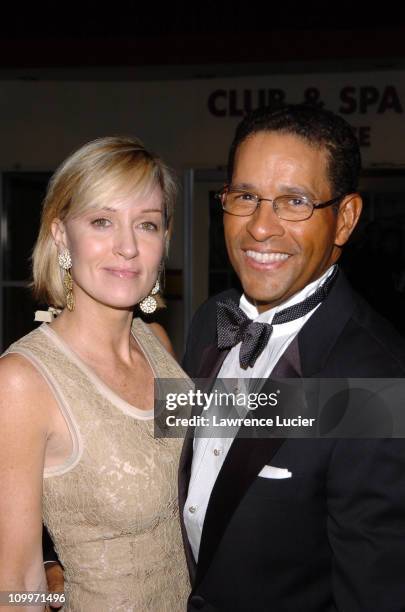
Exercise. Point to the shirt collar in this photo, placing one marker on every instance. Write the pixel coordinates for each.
(266, 317)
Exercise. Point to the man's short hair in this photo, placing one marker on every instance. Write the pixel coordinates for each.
(319, 128)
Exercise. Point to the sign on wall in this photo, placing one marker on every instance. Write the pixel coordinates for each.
(373, 103)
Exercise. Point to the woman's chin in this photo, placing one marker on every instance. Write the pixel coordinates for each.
(114, 303)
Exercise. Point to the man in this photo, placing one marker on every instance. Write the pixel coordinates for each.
(326, 530)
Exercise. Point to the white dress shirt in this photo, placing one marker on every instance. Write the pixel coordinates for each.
(209, 453)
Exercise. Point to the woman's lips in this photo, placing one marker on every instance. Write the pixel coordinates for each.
(122, 272)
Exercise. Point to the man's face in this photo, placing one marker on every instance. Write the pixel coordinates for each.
(274, 258)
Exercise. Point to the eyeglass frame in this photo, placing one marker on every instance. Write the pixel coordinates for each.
(227, 189)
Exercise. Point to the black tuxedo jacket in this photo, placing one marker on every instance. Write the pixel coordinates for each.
(332, 537)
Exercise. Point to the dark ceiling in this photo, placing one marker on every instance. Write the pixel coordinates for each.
(50, 34)
(129, 19)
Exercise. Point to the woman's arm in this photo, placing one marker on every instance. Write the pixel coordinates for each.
(23, 426)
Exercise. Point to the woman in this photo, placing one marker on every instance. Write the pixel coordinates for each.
(77, 394)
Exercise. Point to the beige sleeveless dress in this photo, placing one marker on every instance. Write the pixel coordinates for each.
(111, 509)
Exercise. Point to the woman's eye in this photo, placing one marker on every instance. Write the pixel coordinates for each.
(149, 226)
(101, 222)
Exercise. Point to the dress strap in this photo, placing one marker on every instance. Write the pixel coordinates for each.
(159, 358)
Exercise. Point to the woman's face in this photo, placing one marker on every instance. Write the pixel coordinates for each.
(116, 250)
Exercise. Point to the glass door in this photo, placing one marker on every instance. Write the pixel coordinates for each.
(22, 195)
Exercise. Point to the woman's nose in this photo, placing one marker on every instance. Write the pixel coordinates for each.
(126, 243)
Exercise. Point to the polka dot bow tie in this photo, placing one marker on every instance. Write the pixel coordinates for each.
(234, 326)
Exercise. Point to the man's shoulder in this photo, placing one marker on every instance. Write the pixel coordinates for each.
(369, 341)
(203, 329)
(207, 311)
(346, 337)
(380, 340)
(228, 294)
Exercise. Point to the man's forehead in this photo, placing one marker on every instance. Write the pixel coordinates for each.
(269, 141)
(277, 156)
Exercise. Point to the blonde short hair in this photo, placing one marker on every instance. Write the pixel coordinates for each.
(92, 176)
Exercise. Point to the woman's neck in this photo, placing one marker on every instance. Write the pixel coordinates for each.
(96, 330)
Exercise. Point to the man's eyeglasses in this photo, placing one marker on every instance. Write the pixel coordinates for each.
(292, 207)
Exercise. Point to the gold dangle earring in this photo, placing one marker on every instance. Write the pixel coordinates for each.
(149, 304)
(65, 262)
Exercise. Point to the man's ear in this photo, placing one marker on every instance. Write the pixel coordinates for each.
(59, 234)
(347, 217)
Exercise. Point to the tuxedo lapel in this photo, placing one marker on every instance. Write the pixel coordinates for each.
(245, 459)
(319, 335)
(289, 364)
(184, 478)
(211, 362)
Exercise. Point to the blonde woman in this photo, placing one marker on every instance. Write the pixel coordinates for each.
(77, 445)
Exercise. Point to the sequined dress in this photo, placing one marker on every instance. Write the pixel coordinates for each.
(111, 508)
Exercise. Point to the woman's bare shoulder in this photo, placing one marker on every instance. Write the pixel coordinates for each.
(160, 332)
(22, 387)
(17, 372)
